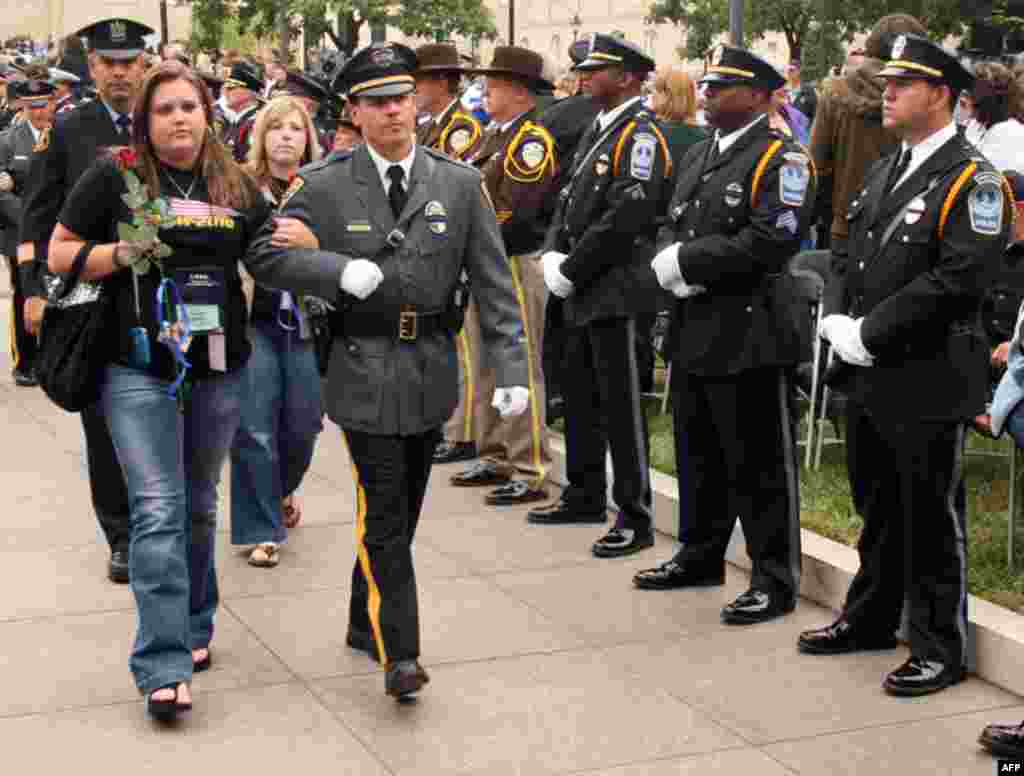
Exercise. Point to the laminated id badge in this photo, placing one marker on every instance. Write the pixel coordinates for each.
(204, 296)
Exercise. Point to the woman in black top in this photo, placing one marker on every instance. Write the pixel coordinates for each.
(172, 424)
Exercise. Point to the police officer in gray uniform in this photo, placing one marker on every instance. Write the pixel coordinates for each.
(397, 224)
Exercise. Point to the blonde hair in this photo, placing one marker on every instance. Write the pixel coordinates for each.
(275, 110)
(678, 95)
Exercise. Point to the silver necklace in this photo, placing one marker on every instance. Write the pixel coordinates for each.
(186, 194)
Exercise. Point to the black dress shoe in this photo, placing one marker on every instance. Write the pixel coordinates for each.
(451, 452)
(620, 541)
(404, 678)
(672, 575)
(518, 492)
(481, 473)
(26, 378)
(756, 606)
(363, 641)
(921, 677)
(117, 571)
(840, 637)
(561, 513)
(1004, 740)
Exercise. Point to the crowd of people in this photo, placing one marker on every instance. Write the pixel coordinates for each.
(461, 266)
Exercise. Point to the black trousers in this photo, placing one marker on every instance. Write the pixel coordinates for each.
(736, 457)
(391, 475)
(106, 480)
(602, 410)
(23, 344)
(908, 485)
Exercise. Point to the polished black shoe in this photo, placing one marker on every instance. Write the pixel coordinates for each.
(404, 678)
(481, 473)
(363, 641)
(117, 571)
(840, 638)
(452, 452)
(620, 541)
(25, 378)
(518, 492)
(1004, 740)
(561, 513)
(756, 606)
(672, 575)
(921, 677)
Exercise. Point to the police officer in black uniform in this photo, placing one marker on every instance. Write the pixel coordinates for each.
(117, 61)
(599, 247)
(244, 86)
(397, 223)
(741, 207)
(927, 234)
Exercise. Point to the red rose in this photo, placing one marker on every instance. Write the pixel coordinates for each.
(126, 158)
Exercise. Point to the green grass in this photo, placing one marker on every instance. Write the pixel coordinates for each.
(826, 508)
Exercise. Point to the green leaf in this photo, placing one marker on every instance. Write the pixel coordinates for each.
(147, 233)
(162, 251)
(127, 233)
(133, 201)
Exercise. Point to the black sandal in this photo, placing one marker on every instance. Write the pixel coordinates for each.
(165, 710)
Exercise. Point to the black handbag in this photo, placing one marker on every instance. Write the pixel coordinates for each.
(73, 339)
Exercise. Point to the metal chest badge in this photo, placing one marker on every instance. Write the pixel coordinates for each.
(733, 194)
(794, 178)
(437, 217)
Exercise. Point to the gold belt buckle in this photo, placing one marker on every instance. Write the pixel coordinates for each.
(407, 325)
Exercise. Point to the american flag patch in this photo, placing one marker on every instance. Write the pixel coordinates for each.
(787, 221)
(197, 209)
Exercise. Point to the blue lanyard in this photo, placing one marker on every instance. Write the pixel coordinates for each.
(292, 307)
(168, 337)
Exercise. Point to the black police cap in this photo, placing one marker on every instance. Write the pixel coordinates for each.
(912, 56)
(608, 50)
(729, 65)
(299, 84)
(116, 38)
(378, 70)
(245, 75)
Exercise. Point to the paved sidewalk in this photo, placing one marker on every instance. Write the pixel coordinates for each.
(543, 659)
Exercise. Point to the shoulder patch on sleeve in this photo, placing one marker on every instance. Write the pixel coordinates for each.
(985, 205)
(533, 153)
(43, 143)
(794, 178)
(641, 159)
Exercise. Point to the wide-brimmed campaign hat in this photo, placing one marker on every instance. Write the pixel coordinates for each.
(438, 58)
(378, 70)
(915, 57)
(32, 92)
(730, 65)
(116, 38)
(298, 84)
(245, 75)
(520, 64)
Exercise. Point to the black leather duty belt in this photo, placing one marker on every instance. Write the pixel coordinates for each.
(409, 325)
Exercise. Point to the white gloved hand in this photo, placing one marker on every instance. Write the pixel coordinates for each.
(557, 283)
(666, 268)
(361, 278)
(511, 402)
(6, 181)
(844, 334)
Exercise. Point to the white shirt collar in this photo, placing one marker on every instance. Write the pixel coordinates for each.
(383, 164)
(605, 118)
(919, 154)
(724, 142)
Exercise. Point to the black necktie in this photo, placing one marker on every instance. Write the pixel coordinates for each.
(898, 169)
(396, 194)
(124, 126)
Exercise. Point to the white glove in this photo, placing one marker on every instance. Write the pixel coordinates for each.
(361, 278)
(511, 402)
(6, 181)
(666, 267)
(557, 283)
(844, 334)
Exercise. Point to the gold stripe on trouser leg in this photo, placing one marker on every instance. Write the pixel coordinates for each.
(15, 356)
(538, 454)
(373, 597)
(461, 426)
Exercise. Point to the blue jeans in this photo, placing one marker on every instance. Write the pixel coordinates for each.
(282, 414)
(171, 462)
(1015, 424)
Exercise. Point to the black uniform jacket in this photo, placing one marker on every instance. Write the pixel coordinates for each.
(16, 146)
(740, 218)
(608, 215)
(920, 290)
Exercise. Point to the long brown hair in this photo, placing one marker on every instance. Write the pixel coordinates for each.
(227, 183)
(278, 108)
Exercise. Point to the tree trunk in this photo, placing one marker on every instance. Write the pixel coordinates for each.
(284, 33)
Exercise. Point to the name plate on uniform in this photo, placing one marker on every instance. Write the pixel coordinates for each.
(204, 296)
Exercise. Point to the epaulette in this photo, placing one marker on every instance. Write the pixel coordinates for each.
(333, 157)
(442, 157)
(537, 148)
